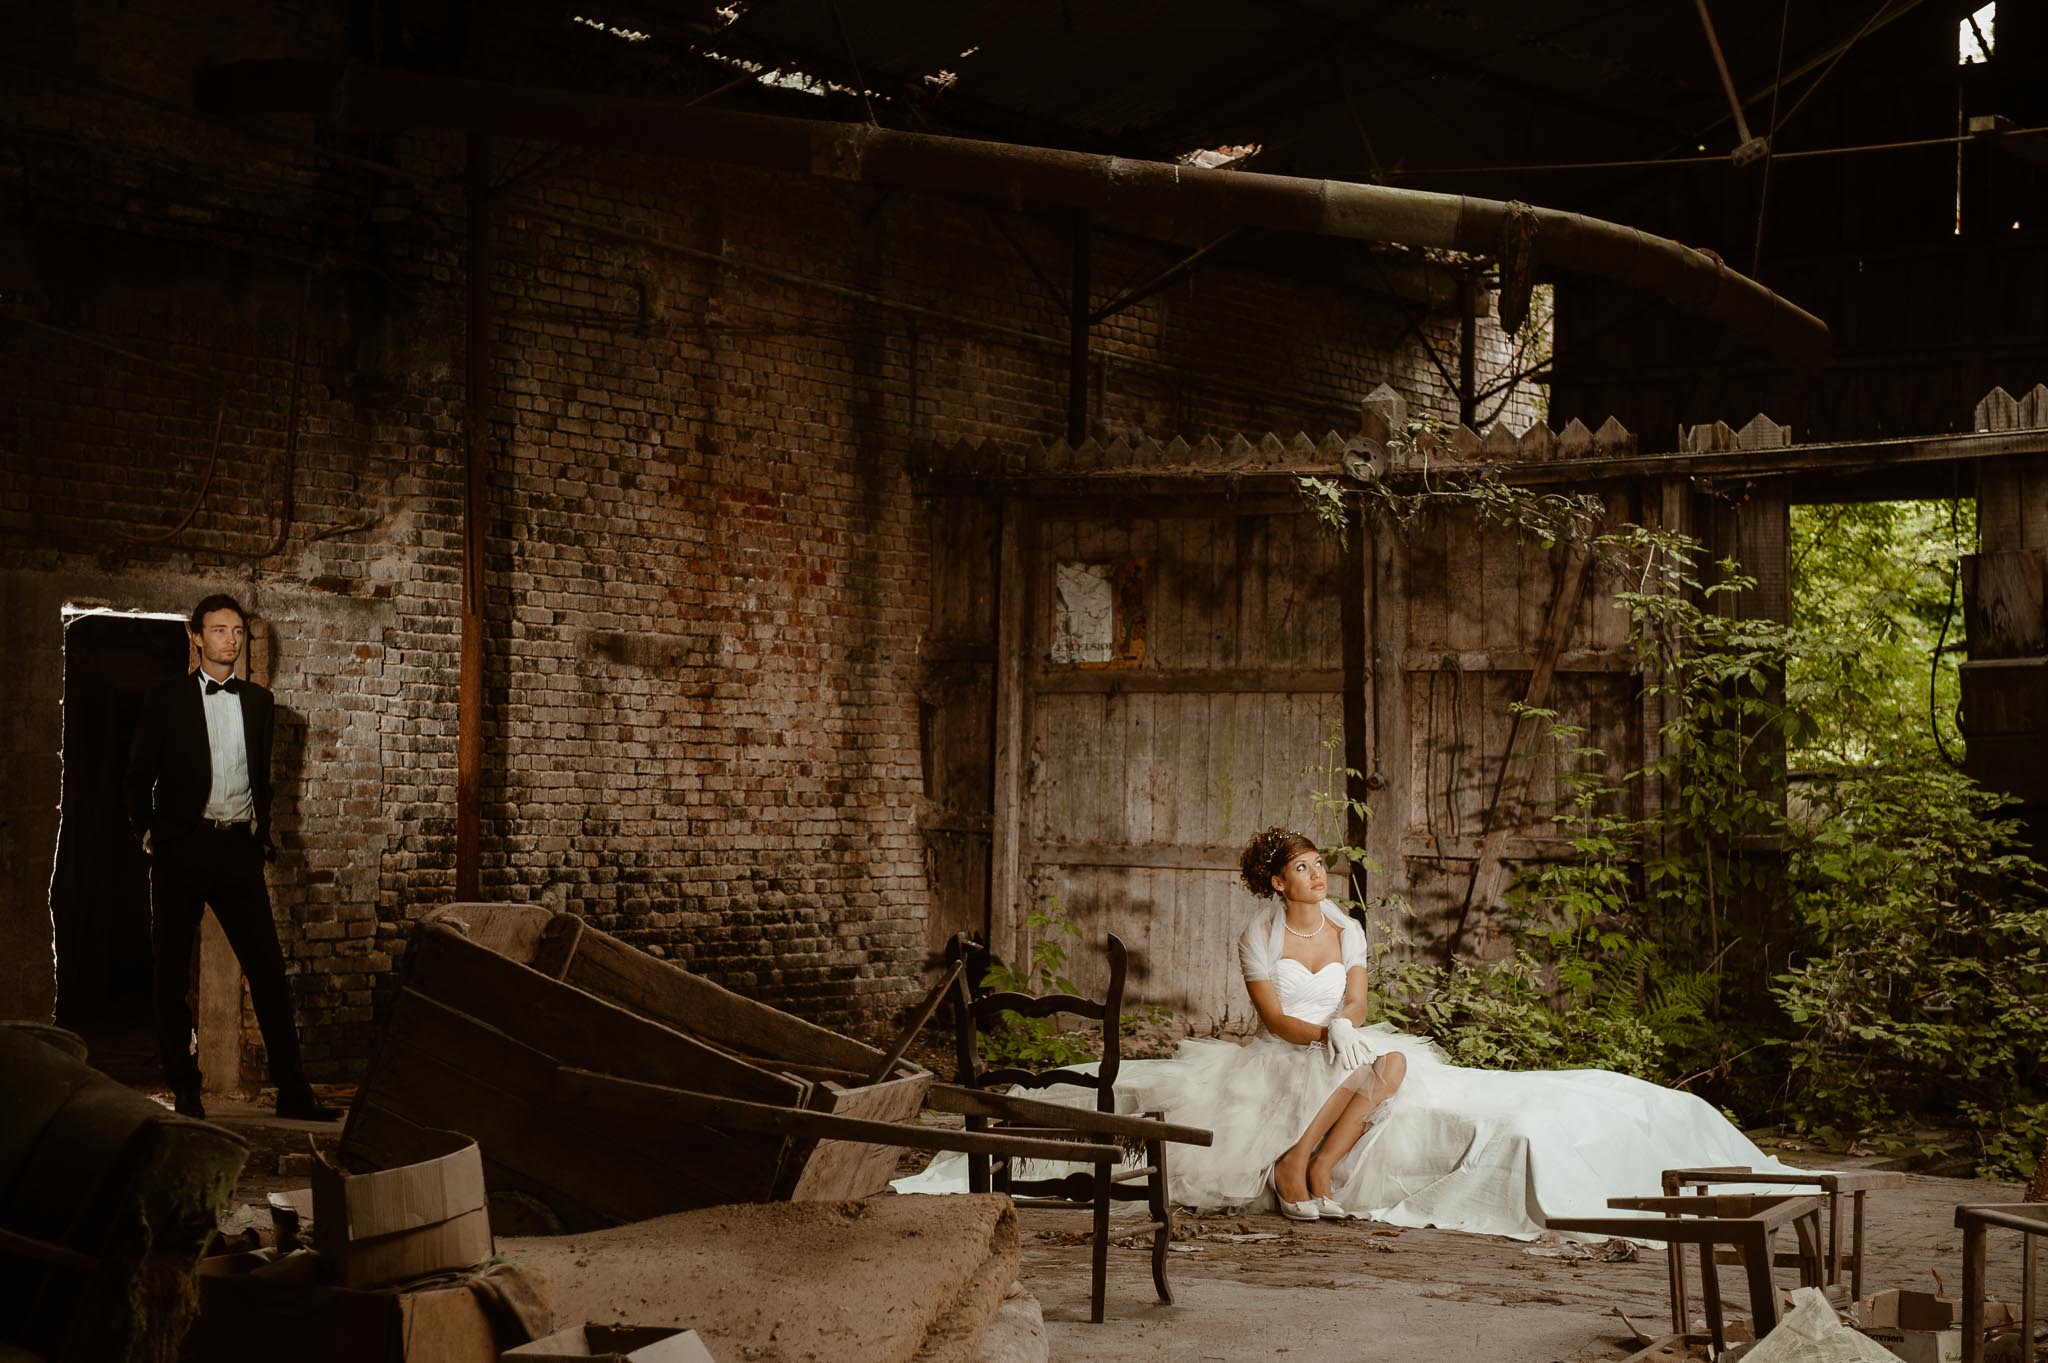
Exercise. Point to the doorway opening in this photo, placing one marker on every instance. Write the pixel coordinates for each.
(1879, 586)
(99, 891)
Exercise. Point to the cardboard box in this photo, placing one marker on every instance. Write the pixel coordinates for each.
(260, 1308)
(388, 1225)
(1920, 1346)
(1897, 1310)
(1919, 1326)
(618, 1344)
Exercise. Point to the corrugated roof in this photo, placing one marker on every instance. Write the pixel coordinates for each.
(1423, 83)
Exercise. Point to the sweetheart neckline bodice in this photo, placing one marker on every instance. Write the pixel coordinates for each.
(1289, 960)
(1311, 995)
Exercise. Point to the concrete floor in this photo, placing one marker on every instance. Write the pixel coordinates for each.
(1353, 1292)
(1258, 1286)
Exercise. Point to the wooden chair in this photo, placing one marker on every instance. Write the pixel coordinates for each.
(1094, 1189)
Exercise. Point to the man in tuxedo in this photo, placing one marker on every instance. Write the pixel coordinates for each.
(199, 799)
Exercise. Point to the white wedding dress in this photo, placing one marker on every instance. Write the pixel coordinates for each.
(1492, 1151)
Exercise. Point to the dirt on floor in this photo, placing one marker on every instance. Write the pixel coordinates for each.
(1259, 1286)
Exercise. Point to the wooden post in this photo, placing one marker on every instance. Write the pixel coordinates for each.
(1077, 336)
(476, 421)
(1665, 507)
(1387, 766)
(1013, 629)
(1976, 1235)
(1354, 592)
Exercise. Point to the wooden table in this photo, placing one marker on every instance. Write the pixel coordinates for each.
(1833, 1185)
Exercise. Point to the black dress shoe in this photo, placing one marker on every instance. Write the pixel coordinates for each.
(186, 1104)
(304, 1107)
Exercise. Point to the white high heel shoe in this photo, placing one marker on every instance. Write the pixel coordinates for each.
(1331, 1209)
(1295, 1211)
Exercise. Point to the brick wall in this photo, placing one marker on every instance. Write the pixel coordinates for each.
(706, 565)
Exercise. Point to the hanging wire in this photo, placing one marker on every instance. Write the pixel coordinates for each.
(1955, 573)
(1818, 81)
(206, 481)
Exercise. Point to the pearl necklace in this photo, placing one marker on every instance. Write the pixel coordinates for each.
(1317, 932)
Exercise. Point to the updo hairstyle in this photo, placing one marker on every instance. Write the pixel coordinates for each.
(1266, 854)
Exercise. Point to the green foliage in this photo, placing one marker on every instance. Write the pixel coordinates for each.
(1035, 1043)
(1868, 952)
(1510, 1013)
(1924, 983)
(1882, 578)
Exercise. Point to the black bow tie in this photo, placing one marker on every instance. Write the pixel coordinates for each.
(233, 686)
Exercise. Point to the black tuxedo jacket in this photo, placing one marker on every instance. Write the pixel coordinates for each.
(170, 768)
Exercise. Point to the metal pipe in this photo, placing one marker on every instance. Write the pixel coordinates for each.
(376, 98)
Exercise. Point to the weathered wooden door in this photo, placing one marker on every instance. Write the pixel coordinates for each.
(1470, 620)
(1177, 688)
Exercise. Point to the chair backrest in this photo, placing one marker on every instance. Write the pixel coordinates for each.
(975, 1013)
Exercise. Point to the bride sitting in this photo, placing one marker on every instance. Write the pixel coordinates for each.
(1342, 1119)
(1309, 1069)
(1330, 1118)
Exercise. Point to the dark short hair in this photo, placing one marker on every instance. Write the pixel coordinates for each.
(219, 601)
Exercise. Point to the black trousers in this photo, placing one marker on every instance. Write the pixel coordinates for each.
(222, 868)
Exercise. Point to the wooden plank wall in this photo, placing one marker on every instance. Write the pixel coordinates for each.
(1141, 784)
(1125, 791)
(1462, 609)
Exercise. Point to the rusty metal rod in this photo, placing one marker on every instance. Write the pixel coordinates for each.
(367, 98)
(1727, 82)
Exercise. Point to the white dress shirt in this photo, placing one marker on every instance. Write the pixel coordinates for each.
(230, 800)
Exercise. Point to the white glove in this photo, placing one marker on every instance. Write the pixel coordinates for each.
(1347, 1045)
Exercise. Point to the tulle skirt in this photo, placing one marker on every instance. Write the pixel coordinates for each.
(1257, 1099)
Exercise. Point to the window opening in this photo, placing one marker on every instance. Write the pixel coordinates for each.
(1976, 36)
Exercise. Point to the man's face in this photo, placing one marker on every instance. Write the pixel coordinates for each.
(220, 639)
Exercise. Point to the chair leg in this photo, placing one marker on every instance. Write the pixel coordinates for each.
(1101, 1245)
(1758, 1255)
(1155, 1155)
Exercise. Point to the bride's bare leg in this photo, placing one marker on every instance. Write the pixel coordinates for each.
(1290, 1171)
(1349, 1123)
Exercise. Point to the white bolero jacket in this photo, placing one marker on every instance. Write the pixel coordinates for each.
(1259, 949)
